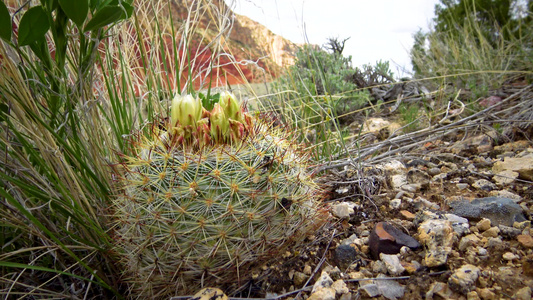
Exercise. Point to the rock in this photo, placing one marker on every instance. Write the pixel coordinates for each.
(437, 236)
(523, 293)
(460, 225)
(395, 203)
(412, 187)
(468, 241)
(347, 296)
(323, 282)
(392, 167)
(464, 279)
(419, 177)
(500, 211)
(509, 232)
(379, 266)
(440, 289)
(506, 194)
(209, 294)
(462, 186)
(407, 214)
(392, 263)
(505, 177)
(342, 210)
(522, 165)
(371, 289)
(525, 240)
(340, 287)
(513, 146)
(486, 294)
(387, 239)
(484, 184)
(427, 203)
(323, 294)
(491, 232)
(398, 180)
(344, 256)
(307, 270)
(527, 266)
(510, 256)
(299, 279)
(490, 101)
(472, 296)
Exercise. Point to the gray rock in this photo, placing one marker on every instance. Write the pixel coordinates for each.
(371, 289)
(463, 280)
(509, 232)
(392, 263)
(484, 184)
(387, 288)
(342, 210)
(460, 225)
(344, 256)
(500, 211)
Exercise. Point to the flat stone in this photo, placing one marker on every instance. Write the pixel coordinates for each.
(342, 210)
(344, 256)
(506, 194)
(491, 232)
(522, 165)
(509, 232)
(460, 225)
(437, 236)
(505, 177)
(392, 263)
(510, 256)
(513, 146)
(387, 239)
(407, 214)
(525, 240)
(483, 224)
(500, 211)
(484, 184)
(463, 280)
(323, 294)
(371, 289)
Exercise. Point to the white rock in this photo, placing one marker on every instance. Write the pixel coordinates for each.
(398, 180)
(510, 256)
(463, 280)
(323, 282)
(395, 203)
(437, 236)
(392, 263)
(523, 293)
(505, 177)
(342, 210)
(340, 287)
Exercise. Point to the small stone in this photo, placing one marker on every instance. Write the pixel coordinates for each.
(486, 294)
(472, 296)
(510, 256)
(506, 194)
(371, 289)
(323, 282)
(440, 289)
(411, 267)
(482, 251)
(342, 210)
(387, 239)
(463, 280)
(299, 279)
(462, 186)
(509, 232)
(340, 287)
(379, 266)
(411, 187)
(434, 171)
(523, 293)
(522, 165)
(347, 296)
(323, 294)
(491, 232)
(500, 211)
(505, 177)
(398, 180)
(392, 263)
(525, 240)
(483, 225)
(344, 256)
(460, 225)
(307, 270)
(484, 184)
(522, 225)
(395, 203)
(437, 236)
(209, 294)
(407, 214)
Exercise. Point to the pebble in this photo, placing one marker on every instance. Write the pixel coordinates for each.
(387, 239)
(342, 210)
(395, 203)
(525, 240)
(510, 256)
(299, 279)
(509, 232)
(340, 287)
(407, 214)
(437, 236)
(209, 294)
(523, 294)
(323, 294)
(483, 225)
(392, 263)
(463, 280)
(344, 256)
(483, 184)
(491, 232)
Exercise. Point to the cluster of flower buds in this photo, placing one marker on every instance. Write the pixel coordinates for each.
(226, 122)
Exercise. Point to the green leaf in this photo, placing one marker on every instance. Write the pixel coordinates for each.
(4, 110)
(5, 22)
(76, 10)
(105, 16)
(33, 26)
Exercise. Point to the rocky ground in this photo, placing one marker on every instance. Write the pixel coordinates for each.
(451, 220)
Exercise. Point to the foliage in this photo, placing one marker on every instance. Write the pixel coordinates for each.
(476, 43)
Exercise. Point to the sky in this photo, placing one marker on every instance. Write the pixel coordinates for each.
(378, 29)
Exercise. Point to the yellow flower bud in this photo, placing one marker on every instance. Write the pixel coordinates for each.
(231, 106)
(185, 110)
(219, 123)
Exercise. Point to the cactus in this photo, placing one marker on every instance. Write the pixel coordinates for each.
(207, 196)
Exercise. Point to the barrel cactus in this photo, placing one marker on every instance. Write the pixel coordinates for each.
(206, 195)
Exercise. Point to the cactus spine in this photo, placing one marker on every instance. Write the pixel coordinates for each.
(207, 196)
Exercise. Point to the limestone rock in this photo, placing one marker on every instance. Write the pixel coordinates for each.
(437, 236)
(464, 279)
(522, 165)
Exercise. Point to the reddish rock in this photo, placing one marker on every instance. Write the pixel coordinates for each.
(525, 240)
(387, 239)
(407, 214)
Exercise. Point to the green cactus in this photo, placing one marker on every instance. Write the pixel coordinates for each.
(198, 205)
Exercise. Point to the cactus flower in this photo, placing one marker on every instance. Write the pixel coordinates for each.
(219, 123)
(185, 110)
(231, 106)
